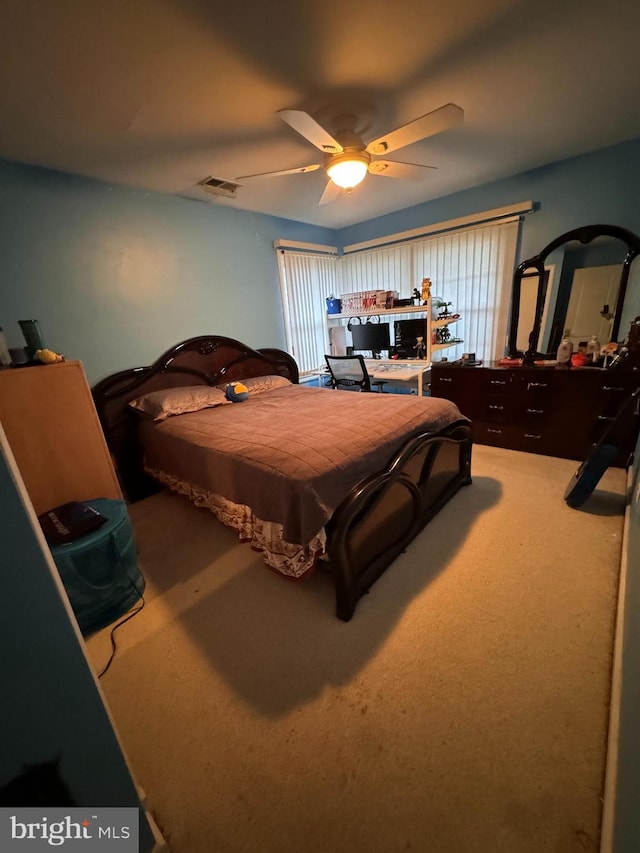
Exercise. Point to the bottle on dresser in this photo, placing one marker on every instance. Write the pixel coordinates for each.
(593, 350)
(565, 351)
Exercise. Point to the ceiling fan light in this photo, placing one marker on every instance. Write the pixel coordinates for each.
(348, 172)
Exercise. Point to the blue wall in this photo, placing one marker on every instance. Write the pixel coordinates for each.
(117, 275)
(600, 187)
(51, 706)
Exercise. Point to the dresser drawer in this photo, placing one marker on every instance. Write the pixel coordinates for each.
(535, 439)
(496, 435)
(496, 410)
(461, 385)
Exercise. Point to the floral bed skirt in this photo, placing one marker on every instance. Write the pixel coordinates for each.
(289, 559)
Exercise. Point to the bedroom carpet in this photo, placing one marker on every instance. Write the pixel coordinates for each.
(463, 710)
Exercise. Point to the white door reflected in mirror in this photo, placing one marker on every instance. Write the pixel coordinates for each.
(592, 289)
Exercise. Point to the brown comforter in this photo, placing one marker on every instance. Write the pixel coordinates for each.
(291, 454)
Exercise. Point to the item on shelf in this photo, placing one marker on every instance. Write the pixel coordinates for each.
(47, 356)
(19, 356)
(32, 335)
(426, 291)
(368, 300)
(334, 306)
(70, 521)
(421, 348)
(443, 309)
(5, 357)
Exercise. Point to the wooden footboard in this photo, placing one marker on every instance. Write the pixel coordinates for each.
(382, 515)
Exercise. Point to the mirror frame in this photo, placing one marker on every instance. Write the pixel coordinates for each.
(583, 235)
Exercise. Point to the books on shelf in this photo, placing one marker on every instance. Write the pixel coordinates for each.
(367, 300)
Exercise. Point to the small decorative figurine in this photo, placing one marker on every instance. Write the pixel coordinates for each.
(421, 348)
(416, 296)
(47, 356)
(426, 290)
(443, 335)
(443, 308)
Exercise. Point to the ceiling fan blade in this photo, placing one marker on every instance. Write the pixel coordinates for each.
(420, 128)
(311, 130)
(331, 193)
(299, 170)
(394, 169)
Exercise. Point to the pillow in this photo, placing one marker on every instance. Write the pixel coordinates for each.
(178, 401)
(259, 384)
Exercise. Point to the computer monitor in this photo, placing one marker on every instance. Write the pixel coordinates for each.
(371, 336)
(406, 334)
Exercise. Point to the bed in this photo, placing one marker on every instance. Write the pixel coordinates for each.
(309, 476)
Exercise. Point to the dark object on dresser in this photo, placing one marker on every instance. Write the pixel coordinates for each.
(376, 519)
(555, 411)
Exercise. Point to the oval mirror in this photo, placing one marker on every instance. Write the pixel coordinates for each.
(580, 285)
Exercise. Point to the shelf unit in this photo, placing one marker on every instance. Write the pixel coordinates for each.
(407, 310)
(438, 324)
(52, 426)
(403, 310)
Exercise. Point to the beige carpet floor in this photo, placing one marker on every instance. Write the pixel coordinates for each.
(464, 708)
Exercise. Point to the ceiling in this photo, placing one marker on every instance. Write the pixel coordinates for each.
(160, 94)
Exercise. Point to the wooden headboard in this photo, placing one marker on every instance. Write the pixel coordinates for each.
(206, 360)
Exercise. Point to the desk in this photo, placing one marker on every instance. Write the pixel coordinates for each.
(400, 369)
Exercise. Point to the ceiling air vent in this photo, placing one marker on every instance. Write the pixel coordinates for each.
(219, 186)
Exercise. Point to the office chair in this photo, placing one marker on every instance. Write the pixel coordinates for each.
(350, 372)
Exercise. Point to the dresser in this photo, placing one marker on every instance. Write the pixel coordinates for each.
(555, 411)
(48, 415)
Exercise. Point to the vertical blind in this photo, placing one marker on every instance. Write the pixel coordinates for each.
(471, 268)
(305, 282)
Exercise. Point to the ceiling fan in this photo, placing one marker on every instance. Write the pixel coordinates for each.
(348, 159)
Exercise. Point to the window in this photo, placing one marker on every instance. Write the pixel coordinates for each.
(305, 282)
(471, 267)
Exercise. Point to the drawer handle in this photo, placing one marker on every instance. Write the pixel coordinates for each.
(496, 431)
(606, 418)
(537, 385)
(611, 388)
(444, 379)
(497, 382)
(498, 408)
(531, 435)
(535, 411)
